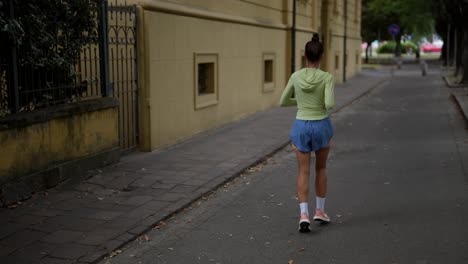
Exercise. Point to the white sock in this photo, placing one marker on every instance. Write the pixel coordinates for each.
(320, 203)
(304, 208)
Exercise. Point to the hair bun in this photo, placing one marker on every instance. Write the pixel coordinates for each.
(315, 37)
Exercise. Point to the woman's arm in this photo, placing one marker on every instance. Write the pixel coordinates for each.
(286, 99)
(330, 93)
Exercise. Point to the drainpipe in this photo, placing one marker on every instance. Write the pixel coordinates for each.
(293, 39)
(345, 38)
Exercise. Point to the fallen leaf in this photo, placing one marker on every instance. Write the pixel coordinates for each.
(338, 215)
(301, 249)
(291, 261)
(115, 253)
(171, 249)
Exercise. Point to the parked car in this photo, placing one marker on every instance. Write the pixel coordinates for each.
(429, 47)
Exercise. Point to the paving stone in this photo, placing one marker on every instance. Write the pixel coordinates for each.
(144, 181)
(47, 212)
(92, 256)
(14, 260)
(125, 237)
(123, 223)
(70, 251)
(150, 192)
(139, 213)
(184, 189)
(48, 260)
(45, 227)
(170, 197)
(68, 205)
(30, 219)
(112, 245)
(74, 223)
(22, 238)
(155, 206)
(5, 250)
(102, 179)
(63, 236)
(173, 180)
(105, 215)
(195, 182)
(138, 229)
(136, 200)
(109, 205)
(99, 236)
(35, 251)
(164, 186)
(153, 219)
(10, 228)
(120, 182)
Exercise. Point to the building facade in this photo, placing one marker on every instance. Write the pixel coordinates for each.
(204, 63)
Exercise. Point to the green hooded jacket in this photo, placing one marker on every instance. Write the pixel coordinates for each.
(314, 93)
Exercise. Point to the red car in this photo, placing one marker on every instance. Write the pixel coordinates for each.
(428, 47)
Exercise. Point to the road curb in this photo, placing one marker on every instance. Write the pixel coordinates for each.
(451, 85)
(461, 107)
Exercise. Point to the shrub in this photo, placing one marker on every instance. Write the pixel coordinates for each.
(48, 35)
(389, 47)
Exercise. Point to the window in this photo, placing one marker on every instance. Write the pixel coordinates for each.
(205, 80)
(337, 62)
(269, 72)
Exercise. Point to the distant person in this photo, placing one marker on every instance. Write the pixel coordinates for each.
(312, 130)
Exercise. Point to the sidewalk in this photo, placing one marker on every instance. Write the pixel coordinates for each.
(83, 222)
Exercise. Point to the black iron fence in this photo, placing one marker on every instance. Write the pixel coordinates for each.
(59, 57)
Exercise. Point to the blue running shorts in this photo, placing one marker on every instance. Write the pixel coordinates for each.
(311, 135)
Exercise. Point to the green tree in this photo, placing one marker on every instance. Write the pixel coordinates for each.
(453, 14)
(48, 36)
(372, 25)
(413, 16)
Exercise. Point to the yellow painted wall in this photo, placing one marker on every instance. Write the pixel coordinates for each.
(239, 32)
(334, 32)
(33, 148)
(240, 48)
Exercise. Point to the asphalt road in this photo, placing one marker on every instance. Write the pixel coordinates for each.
(398, 193)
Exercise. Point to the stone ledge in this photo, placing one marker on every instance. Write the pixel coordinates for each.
(43, 115)
(22, 188)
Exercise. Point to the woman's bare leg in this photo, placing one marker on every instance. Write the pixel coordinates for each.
(303, 159)
(321, 157)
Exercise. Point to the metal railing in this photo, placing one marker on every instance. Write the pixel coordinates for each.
(103, 62)
(34, 76)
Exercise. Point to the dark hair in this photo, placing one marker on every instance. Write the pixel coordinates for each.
(314, 49)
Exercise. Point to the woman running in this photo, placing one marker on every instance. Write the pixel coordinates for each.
(312, 131)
